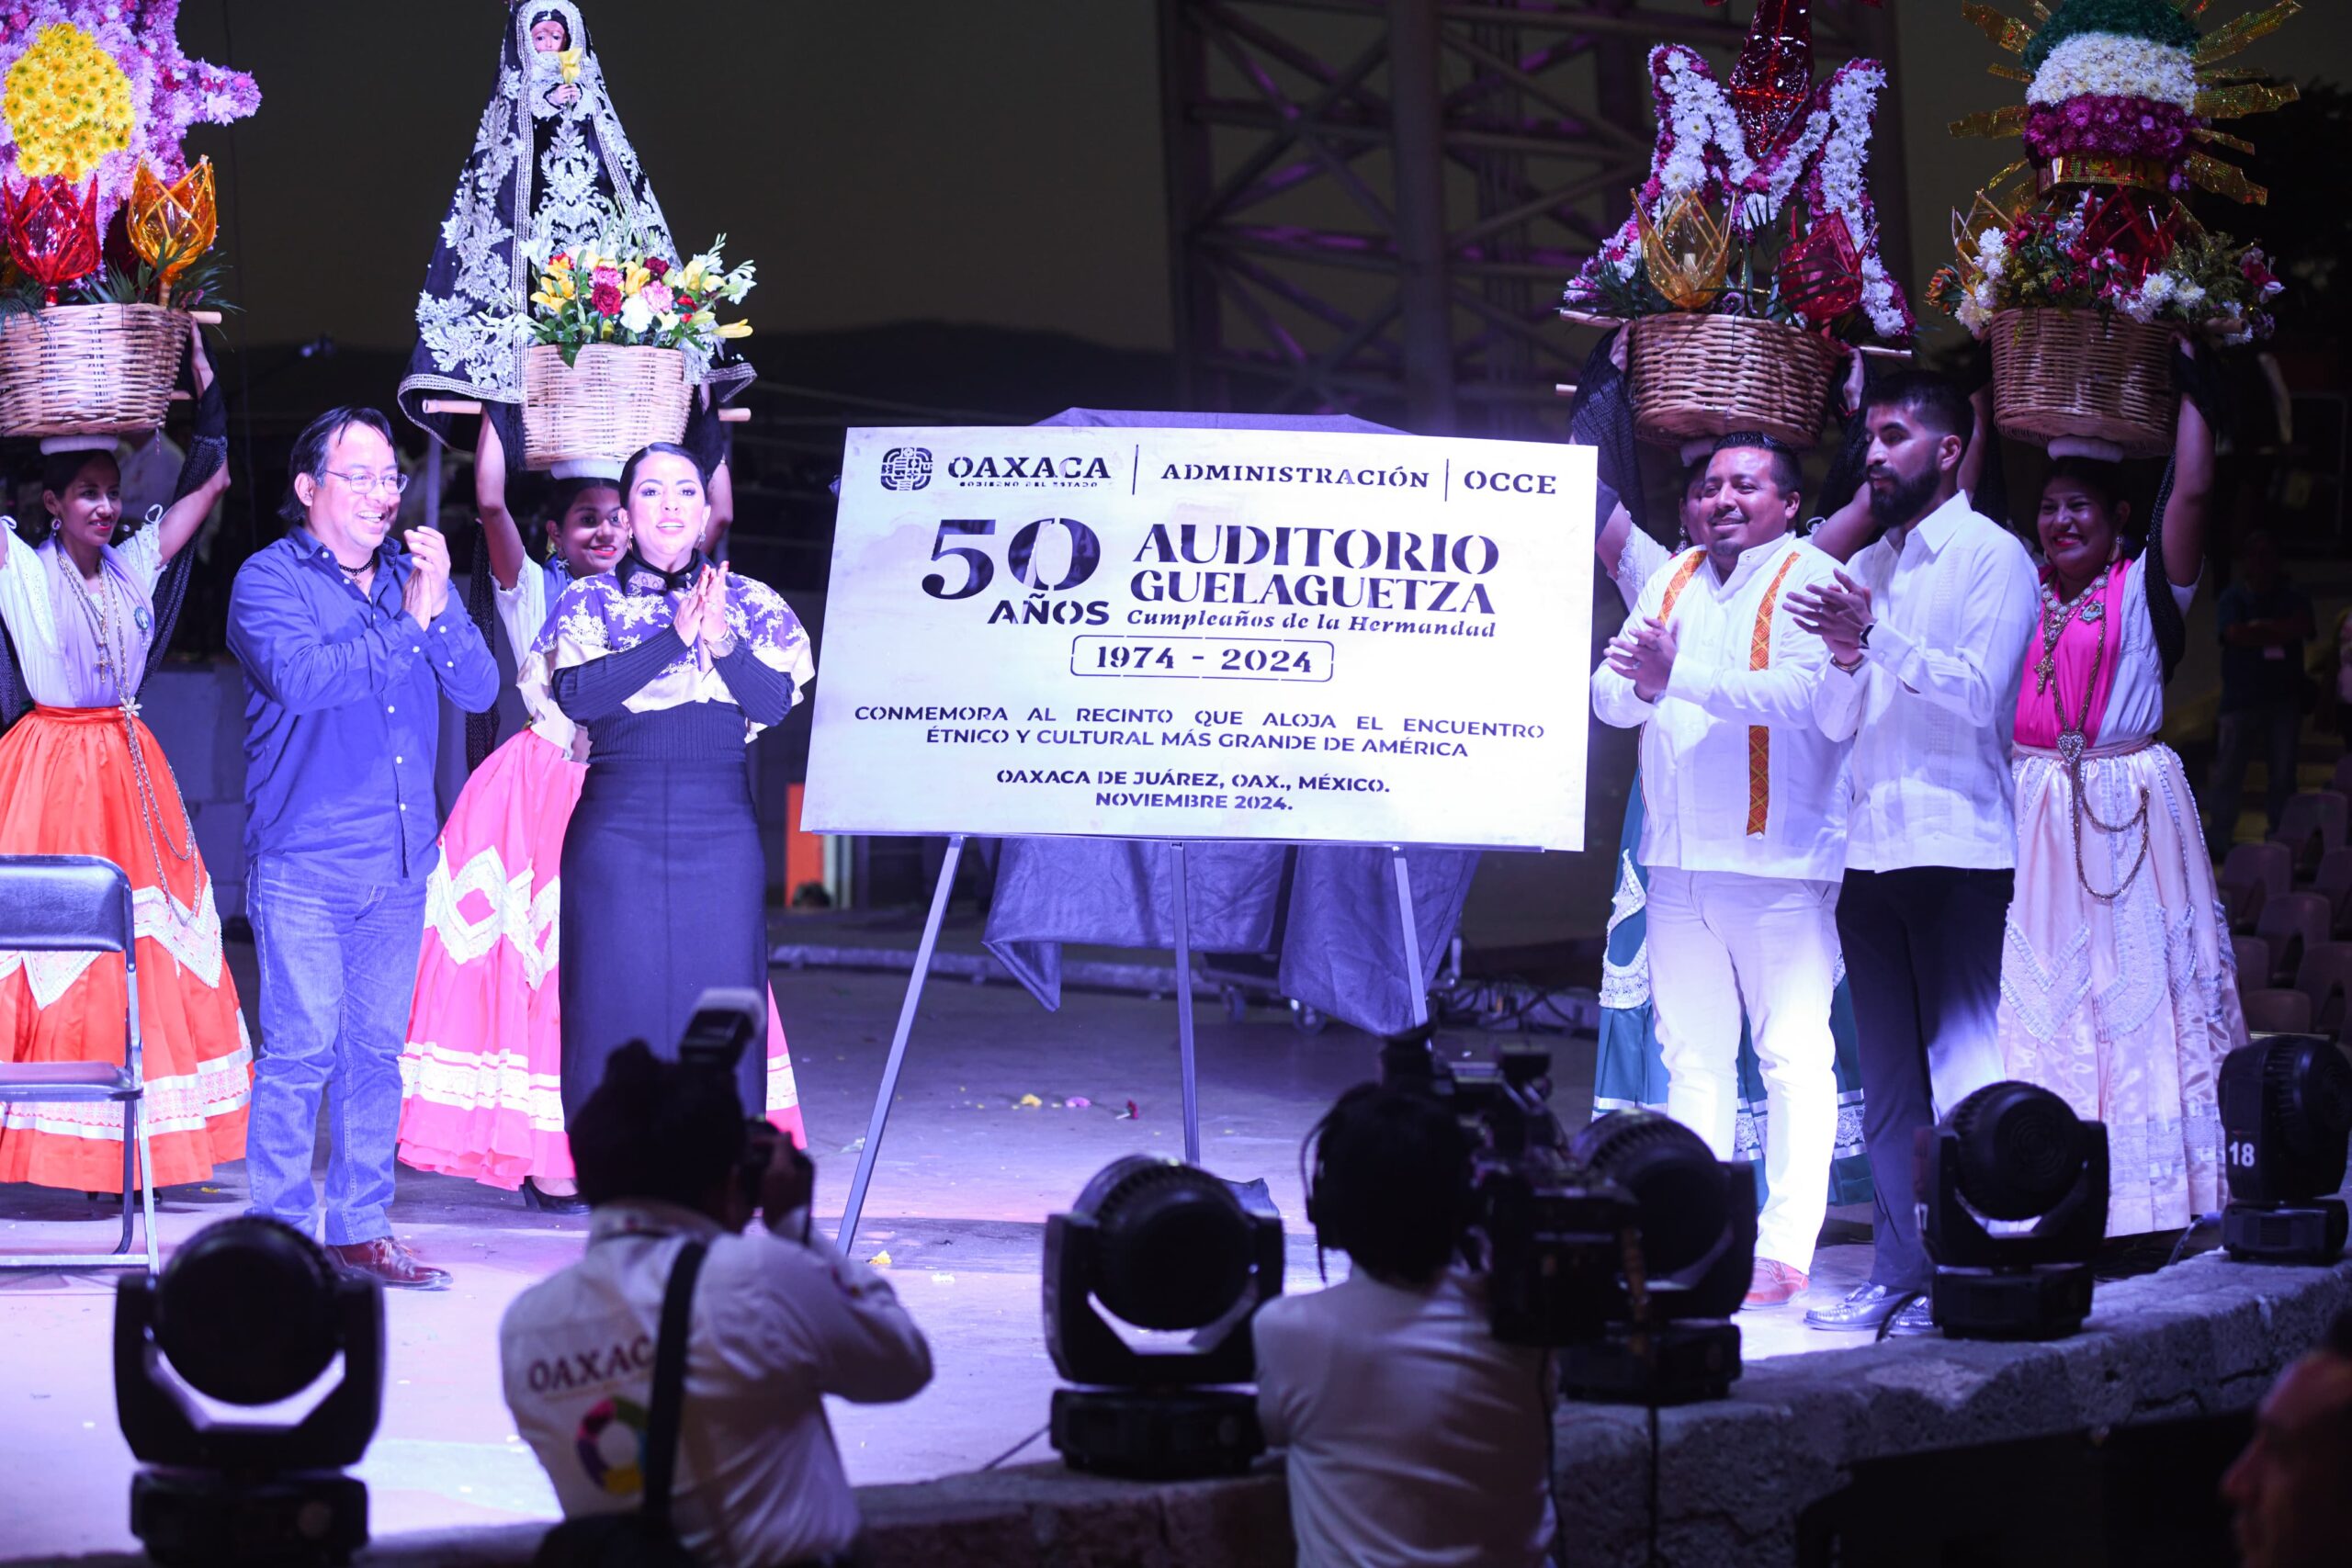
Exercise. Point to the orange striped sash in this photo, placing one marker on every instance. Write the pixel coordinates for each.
(1759, 657)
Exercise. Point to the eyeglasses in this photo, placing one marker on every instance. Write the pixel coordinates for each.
(363, 482)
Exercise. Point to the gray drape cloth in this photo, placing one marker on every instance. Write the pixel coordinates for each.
(1327, 912)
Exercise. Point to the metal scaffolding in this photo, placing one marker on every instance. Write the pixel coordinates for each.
(1374, 204)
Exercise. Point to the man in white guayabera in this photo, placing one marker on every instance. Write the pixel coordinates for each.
(1744, 836)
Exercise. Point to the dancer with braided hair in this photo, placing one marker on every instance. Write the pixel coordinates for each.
(2119, 986)
(82, 775)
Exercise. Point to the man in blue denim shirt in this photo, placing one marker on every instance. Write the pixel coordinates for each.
(347, 643)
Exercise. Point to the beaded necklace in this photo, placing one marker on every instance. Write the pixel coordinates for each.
(2073, 739)
(114, 659)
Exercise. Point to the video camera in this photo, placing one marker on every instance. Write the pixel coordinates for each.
(1551, 1237)
(726, 1020)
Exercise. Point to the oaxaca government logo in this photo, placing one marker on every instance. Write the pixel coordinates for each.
(611, 1442)
(906, 467)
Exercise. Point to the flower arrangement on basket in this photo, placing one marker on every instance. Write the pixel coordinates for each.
(95, 95)
(1753, 247)
(608, 334)
(2079, 262)
(621, 291)
(2106, 250)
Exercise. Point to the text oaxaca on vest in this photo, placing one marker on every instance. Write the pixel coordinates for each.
(1352, 569)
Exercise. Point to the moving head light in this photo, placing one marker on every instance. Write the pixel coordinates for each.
(2012, 1151)
(2286, 1110)
(1159, 1246)
(249, 1312)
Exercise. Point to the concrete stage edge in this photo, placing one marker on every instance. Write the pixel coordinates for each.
(2203, 1338)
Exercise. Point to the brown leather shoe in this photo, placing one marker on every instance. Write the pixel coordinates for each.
(1774, 1284)
(389, 1262)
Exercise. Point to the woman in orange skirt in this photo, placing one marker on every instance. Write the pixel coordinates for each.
(82, 775)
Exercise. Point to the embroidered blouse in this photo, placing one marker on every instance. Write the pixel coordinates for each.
(45, 604)
(2129, 704)
(648, 668)
(522, 611)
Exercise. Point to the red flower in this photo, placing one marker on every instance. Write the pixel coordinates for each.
(686, 303)
(657, 267)
(606, 299)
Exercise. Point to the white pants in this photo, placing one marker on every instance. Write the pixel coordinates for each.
(1720, 942)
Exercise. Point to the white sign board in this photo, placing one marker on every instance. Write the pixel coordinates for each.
(1206, 634)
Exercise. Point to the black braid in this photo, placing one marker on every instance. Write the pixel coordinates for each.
(2201, 383)
(481, 608)
(1602, 416)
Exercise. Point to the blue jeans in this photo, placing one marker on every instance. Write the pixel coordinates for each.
(338, 966)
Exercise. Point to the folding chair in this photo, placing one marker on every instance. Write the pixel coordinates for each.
(2253, 955)
(2334, 884)
(2270, 1010)
(2251, 877)
(2292, 924)
(82, 904)
(2314, 822)
(2325, 977)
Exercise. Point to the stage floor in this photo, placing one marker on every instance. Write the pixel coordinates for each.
(967, 1178)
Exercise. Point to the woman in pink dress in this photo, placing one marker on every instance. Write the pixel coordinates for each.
(2119, 989)
(483, 1059)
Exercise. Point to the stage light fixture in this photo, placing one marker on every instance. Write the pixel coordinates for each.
(1667, 1338)
(1159, 1246)
(2009, 1154)
(2285, 1113)
(249, 1312)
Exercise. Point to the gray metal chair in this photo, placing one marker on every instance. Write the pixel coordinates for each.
(82, 904)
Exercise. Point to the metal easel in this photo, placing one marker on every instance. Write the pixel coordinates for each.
(845, 1237)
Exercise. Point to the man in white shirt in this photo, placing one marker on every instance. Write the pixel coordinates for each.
(1744, 836)
(1926, 635)
(1415, 1439)
(779, 1320)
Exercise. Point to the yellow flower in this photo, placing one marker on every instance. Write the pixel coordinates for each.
(636, 278)
(690, 278)
(67, 104)
(570, 289)
(736, 329)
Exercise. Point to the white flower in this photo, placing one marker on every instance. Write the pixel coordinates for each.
(2108, 65)
(2158, 288)
(636, 316)
(1975, 310)
(2188, 294)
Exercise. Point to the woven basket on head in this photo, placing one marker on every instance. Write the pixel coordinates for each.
(89, 369)
(2083, 373)
(607, 403)
(1701, 374)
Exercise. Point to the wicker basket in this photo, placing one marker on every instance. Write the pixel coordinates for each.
(89, 369)
(607, 403)
(2084, 373)
(1698, 374)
